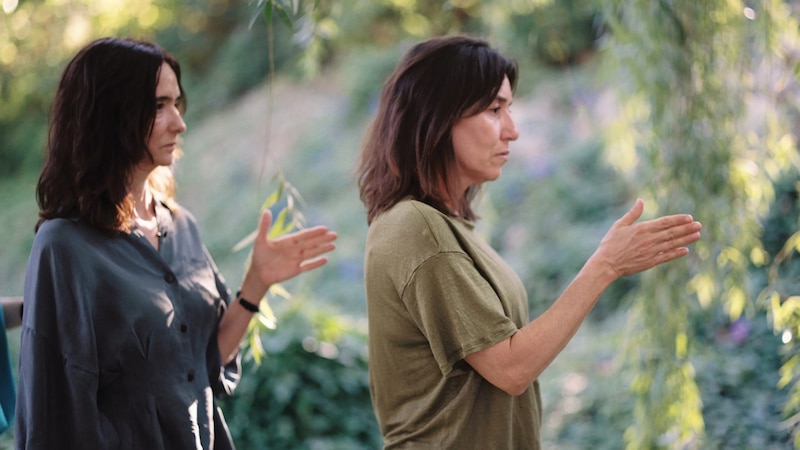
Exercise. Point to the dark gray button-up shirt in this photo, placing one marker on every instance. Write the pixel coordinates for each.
(118, 346)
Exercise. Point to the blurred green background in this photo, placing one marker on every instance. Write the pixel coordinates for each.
(689, 105)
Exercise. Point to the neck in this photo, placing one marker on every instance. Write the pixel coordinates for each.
(142, 199)
(452, 204)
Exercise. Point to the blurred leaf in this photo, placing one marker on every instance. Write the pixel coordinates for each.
(280, 226)
(246, 241)
(280, 291)
(273, 198)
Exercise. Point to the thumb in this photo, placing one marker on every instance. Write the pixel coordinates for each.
(633, 214)
(264, 223)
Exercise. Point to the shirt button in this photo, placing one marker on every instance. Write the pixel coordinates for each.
(183, 328)
(169, 277)
(190, 377)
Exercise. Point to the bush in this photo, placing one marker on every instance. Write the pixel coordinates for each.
(312, 390)
(737, 373)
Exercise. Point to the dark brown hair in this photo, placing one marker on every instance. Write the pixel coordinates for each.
(408, 150)
(102, 117)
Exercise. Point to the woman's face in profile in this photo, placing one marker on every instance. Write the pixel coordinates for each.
(168, 123)
(481, 141)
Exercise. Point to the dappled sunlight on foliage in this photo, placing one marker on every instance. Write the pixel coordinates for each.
(700, 71)
(37, 38)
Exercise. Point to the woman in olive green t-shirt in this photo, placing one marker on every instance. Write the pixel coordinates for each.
(453, 358)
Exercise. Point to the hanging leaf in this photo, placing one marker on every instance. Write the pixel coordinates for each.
(245, 242)
(284, 16)
(268, 11)
(279, 225)
(279, 291)
(273, 198)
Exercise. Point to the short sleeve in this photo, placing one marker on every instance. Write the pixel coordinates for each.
(456, 309)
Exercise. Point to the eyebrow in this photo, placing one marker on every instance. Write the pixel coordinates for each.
(166, 98)
(502, 99)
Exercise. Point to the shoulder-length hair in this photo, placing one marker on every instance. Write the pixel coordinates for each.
(408, 150)
(101, 120)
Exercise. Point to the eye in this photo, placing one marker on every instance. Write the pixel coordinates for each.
(495, 110)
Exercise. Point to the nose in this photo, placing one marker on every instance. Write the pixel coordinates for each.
(181, 125)
(510, 131)
(177, 125)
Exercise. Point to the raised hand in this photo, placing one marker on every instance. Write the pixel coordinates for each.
(282, 258)
(630, 247)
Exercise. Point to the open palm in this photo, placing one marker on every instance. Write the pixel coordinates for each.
(282, 258)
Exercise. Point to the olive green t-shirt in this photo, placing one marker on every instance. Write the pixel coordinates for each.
(437, 292)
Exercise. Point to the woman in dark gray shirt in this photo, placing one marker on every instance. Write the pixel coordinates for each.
(129, 331)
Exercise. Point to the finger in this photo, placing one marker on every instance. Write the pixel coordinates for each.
(314, 239)
(679, 241)
(318, 250)
(680, 231)
(304, 235)
(311, 232)
(671, 255)
(667, 222)
(312, 264)
(304, 253)
(687, 240)
(323, 239)
(264, 223)
(633, 214)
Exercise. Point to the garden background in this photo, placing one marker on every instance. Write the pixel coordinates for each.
(690, 105)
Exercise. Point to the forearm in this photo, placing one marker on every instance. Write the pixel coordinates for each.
(515, 363)
(234, 323)
(12, 310)
(538, 343)
(628, 248)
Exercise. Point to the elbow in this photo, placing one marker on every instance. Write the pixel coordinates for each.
(512, 379)
(515, 390)
(515, 383)
(510, 374)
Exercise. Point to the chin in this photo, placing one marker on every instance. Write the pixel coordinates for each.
(164, 161)
(494, 177)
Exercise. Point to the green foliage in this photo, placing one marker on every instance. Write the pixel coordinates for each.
(781, 287)
(587, 396)
(311, 392)
(364, 74)
(691, 75)
(734, 361)
(560, 32)
(211, 37)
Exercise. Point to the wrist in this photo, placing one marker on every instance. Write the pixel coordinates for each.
(252, 288)
(250, 305)
(601, 271)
